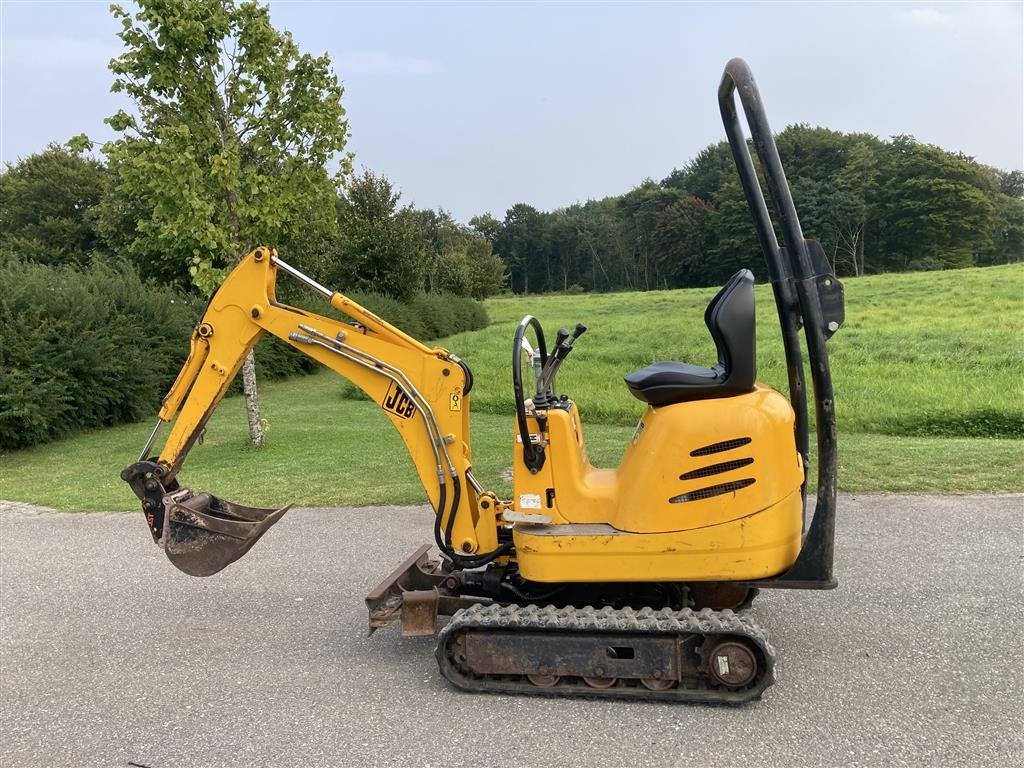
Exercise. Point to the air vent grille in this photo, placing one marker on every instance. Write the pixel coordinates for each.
(726, 445)
(711, 491)
(716, 469)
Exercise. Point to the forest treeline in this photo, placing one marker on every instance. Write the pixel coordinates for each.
(875, 206)
(61, 207)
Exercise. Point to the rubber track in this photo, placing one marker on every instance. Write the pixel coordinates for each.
(588, 620)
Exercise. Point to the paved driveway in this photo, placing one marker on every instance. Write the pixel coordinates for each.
(111, 657)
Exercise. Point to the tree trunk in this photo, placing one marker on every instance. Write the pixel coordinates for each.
(252, 400)
(858, 258)
(252, 395)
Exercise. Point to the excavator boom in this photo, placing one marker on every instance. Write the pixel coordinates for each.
(423, 390)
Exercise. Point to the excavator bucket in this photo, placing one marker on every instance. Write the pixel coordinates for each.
(203, 533)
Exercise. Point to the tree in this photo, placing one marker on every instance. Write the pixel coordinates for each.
(48, 206)
(856, 186)
(381, 247)
(486, 226)
(228, 148)
(640, 208)
(682, 235)
(702, 176)
(937, 207)
(460, 260)
(522, 244)
(732, 239)
(487, 273)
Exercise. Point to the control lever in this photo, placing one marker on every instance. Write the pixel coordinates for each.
(542, 375)
(562, 349)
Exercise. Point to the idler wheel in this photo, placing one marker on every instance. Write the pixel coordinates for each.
(599, 682)
(732, 664)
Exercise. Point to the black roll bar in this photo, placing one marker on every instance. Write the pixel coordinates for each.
(800, 279)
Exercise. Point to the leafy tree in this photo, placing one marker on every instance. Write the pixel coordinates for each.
(381, 247)
(641, 207)
(486, 270)
(937, 207)
(682, 235)
(732, 239)
(812, 152)
(232, 131)
(1007, 244)
(522, 244)
(459, 259)
(48, 206)
(486, 226)
(1010, 183)
(856, 187)
(702, 176)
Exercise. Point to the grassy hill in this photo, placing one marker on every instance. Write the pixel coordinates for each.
(929, 379)
(928, 353)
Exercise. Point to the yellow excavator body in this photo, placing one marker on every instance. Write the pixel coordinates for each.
(703, 493)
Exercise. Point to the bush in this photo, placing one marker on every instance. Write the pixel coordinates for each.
(84, 348)
(94, 347)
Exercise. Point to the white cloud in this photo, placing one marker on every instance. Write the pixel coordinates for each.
(928, 17)
(381, 63)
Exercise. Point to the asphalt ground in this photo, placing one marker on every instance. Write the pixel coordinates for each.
(111, 657)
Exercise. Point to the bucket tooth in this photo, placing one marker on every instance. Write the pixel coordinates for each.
(203, 533)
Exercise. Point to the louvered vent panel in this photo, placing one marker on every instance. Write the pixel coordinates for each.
(727, 445)
(716, 469)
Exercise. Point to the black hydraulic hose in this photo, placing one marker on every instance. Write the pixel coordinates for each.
(531, 598)
(466, 561)
(437, 518)
(533, 456)
(456, 498)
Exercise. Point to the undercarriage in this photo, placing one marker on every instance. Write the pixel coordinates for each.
(668, 642)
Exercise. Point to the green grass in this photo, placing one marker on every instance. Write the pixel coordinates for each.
(925, 364)
(929, 353)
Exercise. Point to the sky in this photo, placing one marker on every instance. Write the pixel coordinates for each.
(474, 107)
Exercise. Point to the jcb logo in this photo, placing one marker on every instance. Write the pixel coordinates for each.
(398, 403)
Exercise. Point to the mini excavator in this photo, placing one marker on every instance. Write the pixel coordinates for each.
(618, 583)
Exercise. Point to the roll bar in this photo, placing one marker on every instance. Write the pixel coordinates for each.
(807, 294)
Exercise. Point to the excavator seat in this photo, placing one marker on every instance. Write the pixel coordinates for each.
(730, 318)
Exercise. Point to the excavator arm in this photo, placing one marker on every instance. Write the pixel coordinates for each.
(423, 391)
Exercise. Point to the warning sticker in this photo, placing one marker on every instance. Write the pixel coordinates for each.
(455, 401)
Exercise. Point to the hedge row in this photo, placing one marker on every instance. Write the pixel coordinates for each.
(83, 348)
(94, 347)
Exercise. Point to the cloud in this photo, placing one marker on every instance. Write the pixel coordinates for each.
(382, 63)
(928, 17)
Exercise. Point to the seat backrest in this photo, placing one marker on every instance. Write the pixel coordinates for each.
(731, 320)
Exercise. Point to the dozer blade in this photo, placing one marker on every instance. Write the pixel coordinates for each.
(203, 533)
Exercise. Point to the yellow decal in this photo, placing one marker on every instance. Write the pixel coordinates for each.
(455, 401)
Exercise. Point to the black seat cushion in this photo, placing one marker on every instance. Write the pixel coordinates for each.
(730, 318)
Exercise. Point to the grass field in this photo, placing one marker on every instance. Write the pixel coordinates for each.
(929, 375)
(926, 354)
